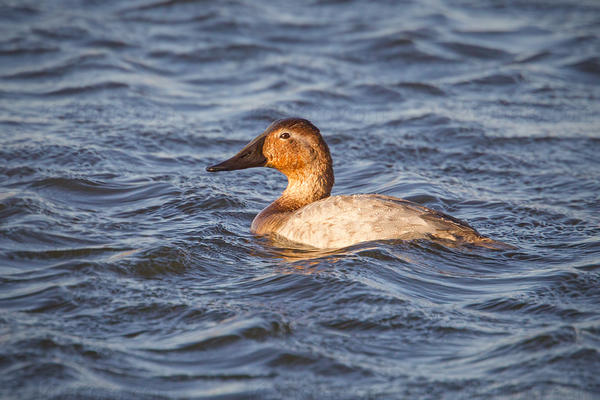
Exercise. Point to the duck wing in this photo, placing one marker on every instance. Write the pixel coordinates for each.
(341, 221)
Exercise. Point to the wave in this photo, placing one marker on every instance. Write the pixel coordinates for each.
(87, 89)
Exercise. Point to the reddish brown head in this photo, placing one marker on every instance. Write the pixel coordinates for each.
(293, 146)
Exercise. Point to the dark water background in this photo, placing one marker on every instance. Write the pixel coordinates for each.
(128, 272)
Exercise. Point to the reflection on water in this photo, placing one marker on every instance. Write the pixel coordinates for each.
(129, 272)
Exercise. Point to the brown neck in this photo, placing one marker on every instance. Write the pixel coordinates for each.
(307, 186)
(304, 187)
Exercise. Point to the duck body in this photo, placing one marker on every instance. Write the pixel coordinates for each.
(342, 221)
(306, 214)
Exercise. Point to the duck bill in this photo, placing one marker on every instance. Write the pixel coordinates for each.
(250, 156)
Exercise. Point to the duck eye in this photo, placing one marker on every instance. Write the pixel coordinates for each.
(285, 135)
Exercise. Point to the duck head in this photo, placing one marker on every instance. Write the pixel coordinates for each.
(295, 147)
(290, 145)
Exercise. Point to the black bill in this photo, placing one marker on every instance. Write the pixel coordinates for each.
(250, 156)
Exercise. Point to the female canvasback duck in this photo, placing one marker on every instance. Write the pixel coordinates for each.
(306, 213)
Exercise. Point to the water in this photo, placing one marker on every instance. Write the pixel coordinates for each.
(128, 272)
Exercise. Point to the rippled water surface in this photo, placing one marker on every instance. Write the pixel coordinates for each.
(128, 272)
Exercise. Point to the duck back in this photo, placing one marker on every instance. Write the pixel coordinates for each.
(341, 221)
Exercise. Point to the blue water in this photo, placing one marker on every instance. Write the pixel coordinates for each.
(128, 272)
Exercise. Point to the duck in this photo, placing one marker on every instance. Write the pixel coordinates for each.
(306, 214)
